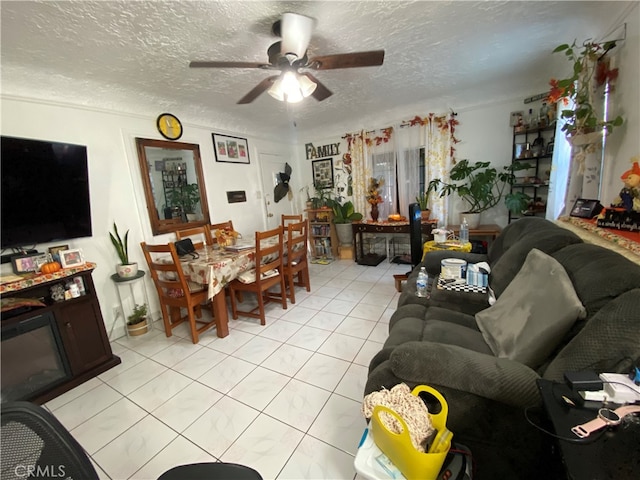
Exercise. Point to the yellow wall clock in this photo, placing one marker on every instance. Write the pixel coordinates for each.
(169, 126)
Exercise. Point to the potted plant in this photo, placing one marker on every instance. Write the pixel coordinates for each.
(588, 64)
(343, 215)
(187, 197)
(322, 197)
(482, 187)
(423, 201)
(125, 268)
(137, 321)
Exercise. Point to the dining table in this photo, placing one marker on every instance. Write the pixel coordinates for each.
(216, 267)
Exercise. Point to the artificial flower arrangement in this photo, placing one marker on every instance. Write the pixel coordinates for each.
(226, 236)
(373, 195)
(588, 64)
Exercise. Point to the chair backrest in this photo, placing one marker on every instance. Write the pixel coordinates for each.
(167, 274)
(269, 251)
(297, 237)
(287, 219)
(199, 235)
(32, 438)
(219, 226)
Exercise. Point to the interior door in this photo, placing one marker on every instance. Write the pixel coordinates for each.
(272, 165)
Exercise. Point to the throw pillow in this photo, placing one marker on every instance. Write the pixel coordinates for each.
(533, 313)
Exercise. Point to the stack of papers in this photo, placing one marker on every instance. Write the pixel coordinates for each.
(240, 246)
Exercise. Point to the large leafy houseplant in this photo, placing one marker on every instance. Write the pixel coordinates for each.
(344, 213)
(187, 197)
(482, 186)
(590, 69)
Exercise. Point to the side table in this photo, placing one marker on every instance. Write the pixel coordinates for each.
(611, 453)
(130, 301)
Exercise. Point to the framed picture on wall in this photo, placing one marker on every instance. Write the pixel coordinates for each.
(323, 173)
(230, 149)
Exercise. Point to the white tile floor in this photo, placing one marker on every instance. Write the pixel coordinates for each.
(283, 398)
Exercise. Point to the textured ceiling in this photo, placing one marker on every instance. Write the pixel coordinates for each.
(133, 56)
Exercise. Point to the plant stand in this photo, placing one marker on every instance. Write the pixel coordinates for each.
(130, 291)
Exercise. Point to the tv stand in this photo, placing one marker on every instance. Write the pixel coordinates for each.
(77, 322)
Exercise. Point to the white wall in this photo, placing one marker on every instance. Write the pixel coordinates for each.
(624, 142)
(115, 181)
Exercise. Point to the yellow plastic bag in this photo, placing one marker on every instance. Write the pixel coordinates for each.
(398, 447)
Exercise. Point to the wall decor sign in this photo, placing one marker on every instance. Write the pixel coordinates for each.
(329, 150)
(230, 149)
(323, 173)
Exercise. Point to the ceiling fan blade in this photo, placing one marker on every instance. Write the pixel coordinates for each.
(347, 60)
(228, 65)
(321, 92)
(257, 90)
(296, 34)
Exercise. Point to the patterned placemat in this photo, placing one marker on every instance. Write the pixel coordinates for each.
(459, 286)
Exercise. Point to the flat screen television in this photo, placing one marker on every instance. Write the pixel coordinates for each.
(45, 192)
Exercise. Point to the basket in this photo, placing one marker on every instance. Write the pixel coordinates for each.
(398, 447)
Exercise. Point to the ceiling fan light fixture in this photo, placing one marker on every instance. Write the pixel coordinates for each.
(291, 87)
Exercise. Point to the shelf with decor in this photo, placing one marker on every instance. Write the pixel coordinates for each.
(322, 235)
(533, 146)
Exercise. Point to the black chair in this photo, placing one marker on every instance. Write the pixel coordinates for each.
(34, 441)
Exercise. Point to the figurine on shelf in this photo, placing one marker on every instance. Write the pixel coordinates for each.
(629, 197)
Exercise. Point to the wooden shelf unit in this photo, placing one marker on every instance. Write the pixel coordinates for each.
(322, 234)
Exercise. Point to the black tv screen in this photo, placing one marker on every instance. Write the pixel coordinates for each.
(45, 192)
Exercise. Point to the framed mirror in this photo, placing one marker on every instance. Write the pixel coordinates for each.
(173, 185)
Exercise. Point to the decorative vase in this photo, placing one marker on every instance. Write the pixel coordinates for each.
(345, 233)
(127, 270)
(425, 214)
(374, 212)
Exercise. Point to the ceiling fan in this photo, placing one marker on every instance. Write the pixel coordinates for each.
(290, 57)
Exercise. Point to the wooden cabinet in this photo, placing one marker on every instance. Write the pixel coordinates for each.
(84, 344)
(535, 147)
(322, 234)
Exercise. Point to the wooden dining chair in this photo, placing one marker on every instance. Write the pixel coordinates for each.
(219, 226)
(267, 274)
(199, 236)
(287, 219)
(295, 262)
(175, 291)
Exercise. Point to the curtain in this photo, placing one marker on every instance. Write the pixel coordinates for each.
(381, 160)
(359, 173)
(435, 136)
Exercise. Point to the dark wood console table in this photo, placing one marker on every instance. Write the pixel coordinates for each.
(380, 228)
(61, 345)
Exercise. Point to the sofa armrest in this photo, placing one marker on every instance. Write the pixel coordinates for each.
(498, 379)
(432, 260)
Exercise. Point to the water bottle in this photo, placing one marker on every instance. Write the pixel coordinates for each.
(464, 231)
(421, 283)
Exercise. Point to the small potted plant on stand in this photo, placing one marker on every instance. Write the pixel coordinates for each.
(137, 321)
(423, 201)
(125, 268)
(482, 187)
(343, 215)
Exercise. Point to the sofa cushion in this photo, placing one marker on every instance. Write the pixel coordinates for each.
(546, 237)
(533, 314)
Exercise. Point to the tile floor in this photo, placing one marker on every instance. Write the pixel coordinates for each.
(283, 398)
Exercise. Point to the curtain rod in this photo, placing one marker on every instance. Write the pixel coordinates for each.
(408, 123)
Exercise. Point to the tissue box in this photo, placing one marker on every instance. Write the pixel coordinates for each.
(478, 278)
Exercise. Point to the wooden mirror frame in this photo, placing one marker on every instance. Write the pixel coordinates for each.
(160, 224)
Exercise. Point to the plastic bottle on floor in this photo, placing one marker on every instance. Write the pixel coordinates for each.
(421, 283)
(464, 231)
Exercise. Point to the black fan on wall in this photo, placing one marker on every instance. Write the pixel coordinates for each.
(290, 57)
